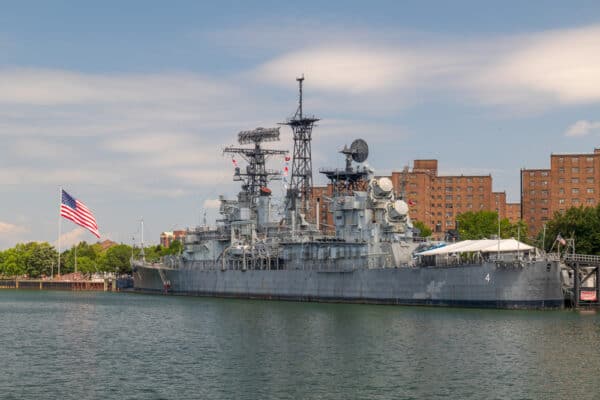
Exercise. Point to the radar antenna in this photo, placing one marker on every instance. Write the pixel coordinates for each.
(350, 179)
(256, 176)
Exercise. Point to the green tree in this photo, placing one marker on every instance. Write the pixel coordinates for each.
(424, 230)
(484, 224)
(579, 223)
(117, 259)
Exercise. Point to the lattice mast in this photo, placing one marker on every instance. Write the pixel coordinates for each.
(255, 176)
(301, 178)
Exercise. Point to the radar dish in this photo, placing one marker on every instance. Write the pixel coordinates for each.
(360, 150)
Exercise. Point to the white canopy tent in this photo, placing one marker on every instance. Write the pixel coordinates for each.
(481, 246)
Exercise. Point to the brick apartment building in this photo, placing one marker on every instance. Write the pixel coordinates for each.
(571, 181)
(166, 238)
(433, 199)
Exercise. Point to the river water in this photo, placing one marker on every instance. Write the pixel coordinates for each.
(86, 345)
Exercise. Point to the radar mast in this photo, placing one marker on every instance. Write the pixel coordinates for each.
(301, 178)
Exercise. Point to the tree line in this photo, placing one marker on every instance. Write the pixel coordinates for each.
(39, 259)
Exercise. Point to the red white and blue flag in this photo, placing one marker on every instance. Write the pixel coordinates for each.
(74, 210)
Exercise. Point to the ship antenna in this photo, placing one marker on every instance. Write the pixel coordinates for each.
(142, 244)
(301, 177)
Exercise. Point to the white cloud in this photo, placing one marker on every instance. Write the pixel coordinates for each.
(71, 238)
(347, 69)
(211, 203)
(563, 66)
(11, 229)
(534, 70)
(52, 87)
(583, 128)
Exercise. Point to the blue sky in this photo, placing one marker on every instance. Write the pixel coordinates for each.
(129, 104)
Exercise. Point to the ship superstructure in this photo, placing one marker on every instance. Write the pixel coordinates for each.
(253, 252)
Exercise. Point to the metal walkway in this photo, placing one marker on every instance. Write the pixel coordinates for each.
(581, 279)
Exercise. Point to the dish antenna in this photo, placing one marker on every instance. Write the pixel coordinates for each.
(359, 150)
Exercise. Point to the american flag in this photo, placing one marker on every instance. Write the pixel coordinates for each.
(74, 210)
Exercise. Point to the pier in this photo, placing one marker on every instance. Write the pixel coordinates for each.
(107, 285)
(581, 277)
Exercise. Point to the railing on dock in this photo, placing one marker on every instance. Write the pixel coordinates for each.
(107, 285)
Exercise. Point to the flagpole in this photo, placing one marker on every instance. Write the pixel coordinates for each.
(59, 225)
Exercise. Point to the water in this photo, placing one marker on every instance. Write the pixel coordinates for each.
(78, 345)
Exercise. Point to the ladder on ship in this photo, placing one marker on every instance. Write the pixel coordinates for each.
(166, 282)
(584, 276)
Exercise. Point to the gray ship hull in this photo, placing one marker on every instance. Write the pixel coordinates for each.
(534, 285)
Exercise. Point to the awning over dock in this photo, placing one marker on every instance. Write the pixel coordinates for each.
(479, 246)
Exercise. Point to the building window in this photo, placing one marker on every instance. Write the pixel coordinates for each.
(589, 159)
(575, 190)
(590, 170)
(449, 197)
(575, 170)
(561, 170)
(544, 183)
(532, 183)
(590, 190)
(544, 193)
(560, 159)
(448, 180)
(575, 180)
(544, 211)
(480, 188)
(532, 192)
(574, 160)
(449, 205)
(589, 179)
(561, 180)
(544, 173)
(469, 205)
(575, 201)
(561, 201)
(470, 189)
(561, 190)
(590, 201)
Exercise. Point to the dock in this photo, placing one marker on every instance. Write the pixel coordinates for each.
(106, 285)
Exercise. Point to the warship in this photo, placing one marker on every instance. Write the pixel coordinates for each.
(371, 254)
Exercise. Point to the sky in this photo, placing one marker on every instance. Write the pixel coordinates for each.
(128, 105)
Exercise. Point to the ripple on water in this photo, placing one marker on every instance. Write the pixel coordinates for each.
(122, 346)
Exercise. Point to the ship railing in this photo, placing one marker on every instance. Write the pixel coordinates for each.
(582, 258)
